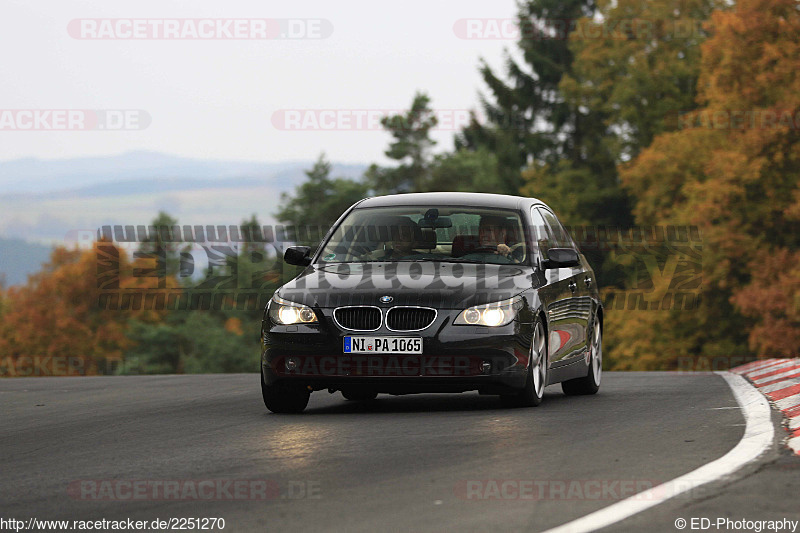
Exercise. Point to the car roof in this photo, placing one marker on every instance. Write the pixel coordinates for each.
(473, 199)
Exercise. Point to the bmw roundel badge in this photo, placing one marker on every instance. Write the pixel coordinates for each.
(386, 299)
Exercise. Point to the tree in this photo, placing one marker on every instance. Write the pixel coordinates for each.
(192, 343)
(465, 170)
(220, 339)
(634, 70)
(636, 66)
(411, 148)
(526, 119)
(56, 315)
(772, 303)
(733, 171)
(162, 244)
(318, 202)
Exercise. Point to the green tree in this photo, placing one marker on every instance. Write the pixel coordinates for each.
(318, 202)
(525, 118)
(411, 147)
(220, 339)
(162, 245)
(636, 66)
(191, 343)
(465, 170)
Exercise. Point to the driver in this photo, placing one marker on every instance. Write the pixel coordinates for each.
(493, 233)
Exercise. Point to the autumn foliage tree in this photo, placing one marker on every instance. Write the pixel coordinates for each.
(733, 170)
(56, 316)
(71, 317)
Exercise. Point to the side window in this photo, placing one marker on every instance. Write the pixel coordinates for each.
(561, 238)
(540, 233)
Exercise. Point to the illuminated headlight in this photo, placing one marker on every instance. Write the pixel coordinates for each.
(492, 315)
(285, 312)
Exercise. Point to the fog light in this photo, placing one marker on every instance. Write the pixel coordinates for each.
(486, 367)
(291, 364)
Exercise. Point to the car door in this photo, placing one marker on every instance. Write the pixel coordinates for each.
(569, 315)
(584, 299)
(554, 293)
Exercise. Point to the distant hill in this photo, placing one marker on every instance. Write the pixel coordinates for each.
(46, 175)
(46, 201)
(19, 258)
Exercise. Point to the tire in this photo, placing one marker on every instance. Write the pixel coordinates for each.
(533, 392)
(281, 398)
(359, 396)
(589, 384)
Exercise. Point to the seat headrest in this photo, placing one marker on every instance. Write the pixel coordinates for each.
(463, 244)
(426, 239)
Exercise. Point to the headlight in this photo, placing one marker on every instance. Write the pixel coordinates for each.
(492, 315)
(285, 312)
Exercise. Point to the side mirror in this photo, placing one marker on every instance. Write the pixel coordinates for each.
(297, 255)
(561, 258)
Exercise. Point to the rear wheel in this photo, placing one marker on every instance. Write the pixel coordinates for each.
(284, 398)
(359, 396)
(591, 383)
(532, 394)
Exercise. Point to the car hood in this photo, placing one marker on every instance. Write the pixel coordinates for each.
(439, 285)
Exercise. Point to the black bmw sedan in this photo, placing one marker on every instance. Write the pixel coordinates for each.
(435, 292)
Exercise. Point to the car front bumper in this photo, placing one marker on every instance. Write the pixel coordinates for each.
(492, 360)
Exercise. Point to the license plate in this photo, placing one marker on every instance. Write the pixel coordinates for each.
(382, 345)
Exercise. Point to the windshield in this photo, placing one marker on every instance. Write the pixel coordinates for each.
(422, 233)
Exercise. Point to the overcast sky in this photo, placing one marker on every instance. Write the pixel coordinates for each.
(226, 99)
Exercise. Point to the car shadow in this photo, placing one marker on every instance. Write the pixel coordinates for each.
(424, 403)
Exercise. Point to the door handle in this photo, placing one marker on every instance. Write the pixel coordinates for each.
(588, 281)
(572, 286)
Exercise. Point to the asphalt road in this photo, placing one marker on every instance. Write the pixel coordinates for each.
(411, 463)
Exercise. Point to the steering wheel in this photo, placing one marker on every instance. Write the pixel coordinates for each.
(482, 250)
(492, 250)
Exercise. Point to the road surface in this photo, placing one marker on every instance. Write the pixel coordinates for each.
(72, 448)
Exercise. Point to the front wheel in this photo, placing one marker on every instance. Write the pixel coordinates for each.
(283, 398)
(591, 383)
(533, 392)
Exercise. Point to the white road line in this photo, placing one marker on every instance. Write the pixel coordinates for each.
(757, 439)
(794, 423)
(788, 402)
(754, 374)
(789, 373)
